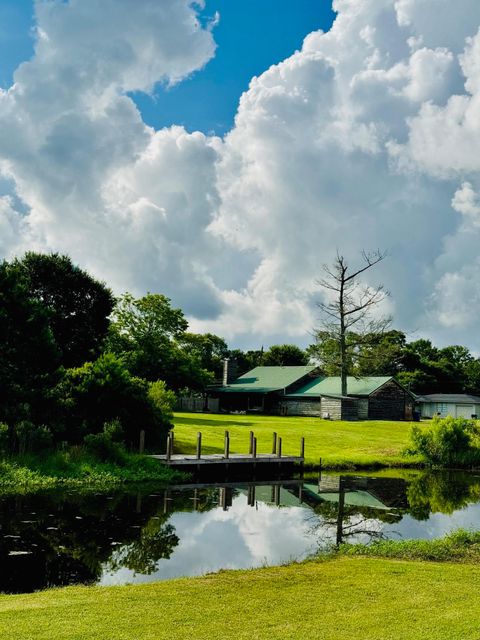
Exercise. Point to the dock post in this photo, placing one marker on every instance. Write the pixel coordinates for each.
(277, 495)
(302, 455)
(172, 441)
(199, 445)
(254, 448)
(250, 449)
(169, 450)
(165, 501)
(141, 444)
(279, 452)
(274, 443)
(226, 447)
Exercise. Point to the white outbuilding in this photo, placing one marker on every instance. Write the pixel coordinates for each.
(458, 405)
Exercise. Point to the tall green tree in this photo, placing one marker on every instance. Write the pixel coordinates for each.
(209, 350)
(285, 355)
(29, 357)
(78, 306)
(148, 333)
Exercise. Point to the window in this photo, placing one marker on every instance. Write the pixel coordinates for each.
(442, 408)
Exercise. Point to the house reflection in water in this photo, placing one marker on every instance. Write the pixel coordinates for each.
(352, 505)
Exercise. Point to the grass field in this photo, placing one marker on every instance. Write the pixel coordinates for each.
(339, 444)
(345, 597)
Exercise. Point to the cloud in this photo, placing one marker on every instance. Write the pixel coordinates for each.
(129, 203)
(361, 140)
(366, 137)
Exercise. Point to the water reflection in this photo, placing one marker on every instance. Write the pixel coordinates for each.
(66, 538)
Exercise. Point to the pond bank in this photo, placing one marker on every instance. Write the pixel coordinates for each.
(75, 469)
(356, 598)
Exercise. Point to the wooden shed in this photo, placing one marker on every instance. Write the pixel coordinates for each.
(375, 398)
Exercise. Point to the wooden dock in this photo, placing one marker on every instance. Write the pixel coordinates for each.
(179, 460)
(225, 460)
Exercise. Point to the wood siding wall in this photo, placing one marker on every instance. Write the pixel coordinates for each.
(349, 408)
(299, 407)
(187, 403)
(388, 403)
(363, 408)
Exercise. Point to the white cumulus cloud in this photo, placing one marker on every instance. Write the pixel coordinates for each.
(366, 137)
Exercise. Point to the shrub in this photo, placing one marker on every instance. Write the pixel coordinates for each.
(31, 437)
(447, 442)
(162, 400)
(104, 391)
(106, 446)
(4, 437)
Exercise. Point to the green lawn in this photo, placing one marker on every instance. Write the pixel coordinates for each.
(346, 597)
(339, 444)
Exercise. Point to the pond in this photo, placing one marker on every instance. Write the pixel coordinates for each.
(135, 536)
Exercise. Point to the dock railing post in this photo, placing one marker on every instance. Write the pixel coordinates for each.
(169, 450)
(254, 449)
(302, 456)
(226, 447)
(274, 443)
(250, 448)
(172, 440)
(141, 444)
(199, 445)
(279, 452)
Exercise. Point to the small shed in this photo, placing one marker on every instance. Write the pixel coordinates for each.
(458, 405)
(375, 398)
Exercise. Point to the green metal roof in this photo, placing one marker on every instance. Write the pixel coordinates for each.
(266, 379)
(355, 499)
(332, 386)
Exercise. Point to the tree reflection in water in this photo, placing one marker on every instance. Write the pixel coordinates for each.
(67, 538)
(60, 539)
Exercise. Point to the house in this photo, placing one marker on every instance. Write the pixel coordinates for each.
(373, 398)
(300, 390)
(261, 388)
(449, 404)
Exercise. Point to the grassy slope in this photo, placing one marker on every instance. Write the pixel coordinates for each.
(76, 469)
(347, 597)
(339, 444)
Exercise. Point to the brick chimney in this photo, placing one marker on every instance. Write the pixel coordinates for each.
(229, 371)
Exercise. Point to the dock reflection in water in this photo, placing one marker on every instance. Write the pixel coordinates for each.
(67, 538)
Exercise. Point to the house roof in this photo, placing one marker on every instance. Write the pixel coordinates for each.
(332, 386)
(266, 379)
(453, 398)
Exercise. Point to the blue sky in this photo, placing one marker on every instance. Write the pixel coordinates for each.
(251, 36)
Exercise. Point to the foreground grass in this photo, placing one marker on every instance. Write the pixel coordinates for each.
(344, 597)
(76, 469)
(339, 444)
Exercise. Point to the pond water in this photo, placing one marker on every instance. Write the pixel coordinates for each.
(68, 538)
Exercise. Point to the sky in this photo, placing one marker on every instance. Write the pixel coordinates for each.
(222, 152)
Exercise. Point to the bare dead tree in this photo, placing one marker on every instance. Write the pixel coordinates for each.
(347, 314)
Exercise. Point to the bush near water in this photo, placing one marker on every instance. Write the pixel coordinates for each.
(447, 442)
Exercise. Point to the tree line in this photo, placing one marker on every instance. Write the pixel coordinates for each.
(79, 365)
